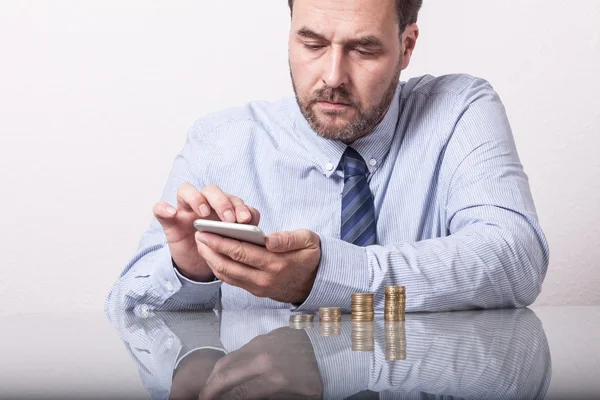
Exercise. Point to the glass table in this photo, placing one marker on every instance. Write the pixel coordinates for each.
(544, 352)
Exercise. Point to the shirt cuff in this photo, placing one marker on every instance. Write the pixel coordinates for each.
(167, 282)
(343, 270)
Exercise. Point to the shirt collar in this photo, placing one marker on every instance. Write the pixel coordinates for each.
(373, 147)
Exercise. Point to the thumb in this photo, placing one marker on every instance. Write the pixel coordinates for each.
(165, 214)
(281, 242)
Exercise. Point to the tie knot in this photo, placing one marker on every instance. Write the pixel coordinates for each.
(354, 165)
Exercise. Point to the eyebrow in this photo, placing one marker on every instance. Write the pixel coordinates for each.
(365, 41)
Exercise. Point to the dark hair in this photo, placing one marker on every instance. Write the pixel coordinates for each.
(407, 11)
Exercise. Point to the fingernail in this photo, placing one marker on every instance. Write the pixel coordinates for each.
(170, 210)
(273, 242)
(245, 215)
(201, 238)
(204, 211)
(229, 217)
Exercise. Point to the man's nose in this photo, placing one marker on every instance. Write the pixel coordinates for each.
(335, 73)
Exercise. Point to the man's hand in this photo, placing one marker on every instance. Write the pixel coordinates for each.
(285, 270)
(178, 223)
(280, 365)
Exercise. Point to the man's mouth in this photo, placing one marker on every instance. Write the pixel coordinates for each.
(329, 106)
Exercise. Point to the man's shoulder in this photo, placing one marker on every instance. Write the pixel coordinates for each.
(254, 114)
(453, 84)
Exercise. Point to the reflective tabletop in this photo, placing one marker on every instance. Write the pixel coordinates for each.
(545, 352)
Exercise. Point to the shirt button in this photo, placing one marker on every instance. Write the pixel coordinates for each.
(329, 166)
(169, 343)
(144, 308)
(372, 162)
(169, 286)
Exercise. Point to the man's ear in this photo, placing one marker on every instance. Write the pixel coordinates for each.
(409, 42)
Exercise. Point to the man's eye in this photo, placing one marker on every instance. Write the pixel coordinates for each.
(313, 46)
(365, 53)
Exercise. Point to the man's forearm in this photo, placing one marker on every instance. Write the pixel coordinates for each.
(150, 282)
(480, 266)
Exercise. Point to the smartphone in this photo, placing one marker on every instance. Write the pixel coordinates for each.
(242, 232)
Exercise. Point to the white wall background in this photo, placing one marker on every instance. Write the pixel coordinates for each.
(96, 98)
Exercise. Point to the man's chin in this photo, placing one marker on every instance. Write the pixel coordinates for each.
(334, 125)
(334, 131)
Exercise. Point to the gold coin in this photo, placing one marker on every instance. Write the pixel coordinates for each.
(301, 317)
(400, 289)
(330, 309)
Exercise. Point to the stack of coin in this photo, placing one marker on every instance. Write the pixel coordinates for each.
(395, 340)
(395, 303)
(301, 321)
(330, 328)
(330, 314)
(362, 307)
(363, 336)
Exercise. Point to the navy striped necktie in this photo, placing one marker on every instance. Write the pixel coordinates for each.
(358, 210)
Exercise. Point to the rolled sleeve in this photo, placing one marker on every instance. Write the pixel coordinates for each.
(343, 270)
(167, 282)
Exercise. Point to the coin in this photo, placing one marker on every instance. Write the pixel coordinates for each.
(301, 321)
(394, 303)
(301, 317)
(330, 314)
(395, 289)
(361, 305)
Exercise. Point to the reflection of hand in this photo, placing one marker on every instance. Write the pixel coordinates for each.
(192, 373)
(285, 270)
(279, 365)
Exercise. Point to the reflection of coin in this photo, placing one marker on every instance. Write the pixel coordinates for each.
(329, 328)
(363, 337)
(395, 341)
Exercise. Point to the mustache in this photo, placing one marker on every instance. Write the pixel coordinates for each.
(332, 95)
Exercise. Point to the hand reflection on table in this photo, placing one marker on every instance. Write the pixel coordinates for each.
(278, 365)
(255, 354)
(191, 374)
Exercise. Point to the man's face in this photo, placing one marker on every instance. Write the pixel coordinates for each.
(345, 60)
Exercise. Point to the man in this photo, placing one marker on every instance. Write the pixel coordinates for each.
(361, 181)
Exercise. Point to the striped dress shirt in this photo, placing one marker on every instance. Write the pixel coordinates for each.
(456, 222)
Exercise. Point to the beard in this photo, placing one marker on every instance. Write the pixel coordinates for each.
(362, 123)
